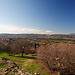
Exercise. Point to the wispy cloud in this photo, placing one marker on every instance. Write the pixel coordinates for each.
(18, 30)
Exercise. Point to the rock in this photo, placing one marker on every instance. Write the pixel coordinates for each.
(12, 69)
(5, 72)
(27, 73)
(16, 68)
(19, 71)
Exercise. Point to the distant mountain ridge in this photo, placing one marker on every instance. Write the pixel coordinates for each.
(72, 34)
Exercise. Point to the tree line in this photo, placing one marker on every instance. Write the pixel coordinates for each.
(19, 46)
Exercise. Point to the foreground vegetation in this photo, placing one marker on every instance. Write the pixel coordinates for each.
(27, 63)
(45, 57)
(58, 57)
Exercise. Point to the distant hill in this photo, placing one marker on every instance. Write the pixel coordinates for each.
(24, 35)
(72, 35)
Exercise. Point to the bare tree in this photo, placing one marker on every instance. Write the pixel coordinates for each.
(2, 46)
(22, 46)
(57, 56)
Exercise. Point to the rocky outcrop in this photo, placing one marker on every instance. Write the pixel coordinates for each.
(12, 69)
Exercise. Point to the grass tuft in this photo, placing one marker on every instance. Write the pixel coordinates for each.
(2, 65)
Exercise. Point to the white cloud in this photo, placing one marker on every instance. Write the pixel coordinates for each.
(48, 31)
(8, 29)
(18, 30)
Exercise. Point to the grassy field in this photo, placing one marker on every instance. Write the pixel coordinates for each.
(27, 63)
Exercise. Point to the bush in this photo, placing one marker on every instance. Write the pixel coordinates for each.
(57, 57)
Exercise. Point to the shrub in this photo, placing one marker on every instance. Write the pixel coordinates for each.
(58, 57)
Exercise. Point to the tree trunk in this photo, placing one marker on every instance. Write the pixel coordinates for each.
(22, 54)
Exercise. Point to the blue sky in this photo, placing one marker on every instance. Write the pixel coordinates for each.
(37, 16)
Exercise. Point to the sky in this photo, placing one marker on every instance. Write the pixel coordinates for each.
(37, 16)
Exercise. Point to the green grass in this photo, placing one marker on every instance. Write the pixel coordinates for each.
(30, 66)
(2, 65)
(33, 67)
(15, 57)
(27, 62)
(42, 68)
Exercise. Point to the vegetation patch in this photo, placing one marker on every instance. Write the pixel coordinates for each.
(30, 66)
(2, 65)
(44, 74)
